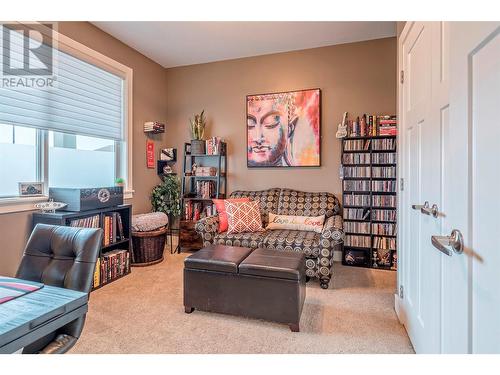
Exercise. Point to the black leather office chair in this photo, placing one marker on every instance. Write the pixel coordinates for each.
(64, 257)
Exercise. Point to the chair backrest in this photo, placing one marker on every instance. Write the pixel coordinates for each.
(61, 256)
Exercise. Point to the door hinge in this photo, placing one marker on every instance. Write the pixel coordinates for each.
(402, 77)
(401, 184)
(401, 292)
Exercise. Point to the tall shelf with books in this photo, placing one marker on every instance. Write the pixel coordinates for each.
(114, 256)
(204, 178)
(369, 164)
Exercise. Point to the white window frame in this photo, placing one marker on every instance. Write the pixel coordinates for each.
(81, 51)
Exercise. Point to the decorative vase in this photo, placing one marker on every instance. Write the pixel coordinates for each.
(197, 146)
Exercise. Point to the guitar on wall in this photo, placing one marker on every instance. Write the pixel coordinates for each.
(342, 128)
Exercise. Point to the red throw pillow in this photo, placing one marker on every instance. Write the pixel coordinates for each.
(243, 217)
(221, 210)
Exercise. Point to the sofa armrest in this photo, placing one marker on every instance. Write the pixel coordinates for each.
(207, 228)
(333, 229)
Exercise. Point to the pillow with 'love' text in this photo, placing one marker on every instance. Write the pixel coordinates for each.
(305, 223)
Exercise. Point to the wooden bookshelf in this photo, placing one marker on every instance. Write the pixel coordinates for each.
(369, 201)
(189, 240)
(66, 217)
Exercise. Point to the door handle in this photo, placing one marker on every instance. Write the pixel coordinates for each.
(420, 206)
(455, 241)
(430, 211)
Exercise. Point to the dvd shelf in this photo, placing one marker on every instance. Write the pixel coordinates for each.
(370, 200)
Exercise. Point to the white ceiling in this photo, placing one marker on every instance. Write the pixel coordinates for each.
(185, 43)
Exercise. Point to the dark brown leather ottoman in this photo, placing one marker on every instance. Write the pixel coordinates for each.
(262, 284)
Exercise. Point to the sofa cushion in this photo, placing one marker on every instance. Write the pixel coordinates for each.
(243, 217)
(253, 240)
(300, 203)
(305, 223)
(268, 200)
(308, 243)
(221, 211)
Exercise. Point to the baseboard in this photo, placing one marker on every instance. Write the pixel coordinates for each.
(397, 309)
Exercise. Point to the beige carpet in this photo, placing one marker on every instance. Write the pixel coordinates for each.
(143, 313)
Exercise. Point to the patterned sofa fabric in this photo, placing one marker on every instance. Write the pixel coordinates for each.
(293, 240)
(318, 247)
(252, 240)
(301, 203)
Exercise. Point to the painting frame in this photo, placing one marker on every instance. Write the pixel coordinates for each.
(319, 130)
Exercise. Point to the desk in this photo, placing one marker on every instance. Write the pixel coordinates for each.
(30, 317)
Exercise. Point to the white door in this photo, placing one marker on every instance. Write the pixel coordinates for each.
(450, 158)
(472, 280)
(421, 158)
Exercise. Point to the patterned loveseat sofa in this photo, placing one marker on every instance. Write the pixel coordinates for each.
(318, 247)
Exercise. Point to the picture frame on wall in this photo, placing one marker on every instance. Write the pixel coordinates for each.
(30, 189)
(284, 129)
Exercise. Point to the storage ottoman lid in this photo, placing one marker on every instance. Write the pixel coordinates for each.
(274, 263)
(217, 258)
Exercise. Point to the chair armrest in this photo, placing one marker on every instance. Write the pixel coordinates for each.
(207, 228)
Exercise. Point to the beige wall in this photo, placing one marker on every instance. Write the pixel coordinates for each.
(149, 103)
(356, 77)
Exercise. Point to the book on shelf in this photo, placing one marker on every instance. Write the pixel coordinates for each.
(372, 126)
(353, 158)
(205, 171)
(114, 264)
(384, 144)
(113, 228)
(97, 273)
(357, 241)
(194, 211)
(357, 171)
(86, 222)
(356, 200)
(384, 215)
(383, 158)
(385, 243)
(356, 227)
(205, 189)
(215, 146)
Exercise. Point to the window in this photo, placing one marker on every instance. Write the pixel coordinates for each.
(18, 158)
(76, 160)
(77, 134)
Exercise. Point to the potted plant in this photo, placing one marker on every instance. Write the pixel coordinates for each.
(165, 197)
(120, 182)
(197, 131)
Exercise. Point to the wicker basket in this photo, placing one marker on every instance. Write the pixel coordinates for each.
(147, 247)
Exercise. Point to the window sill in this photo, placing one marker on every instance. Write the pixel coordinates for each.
(19, 204)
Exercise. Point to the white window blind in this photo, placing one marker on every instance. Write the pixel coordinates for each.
(86, 99)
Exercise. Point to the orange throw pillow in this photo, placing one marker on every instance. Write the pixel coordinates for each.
(243, 217)
(221, 210)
